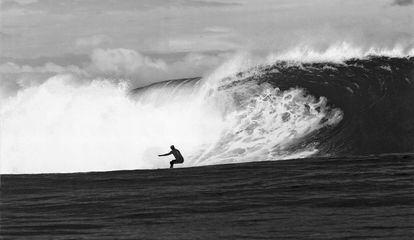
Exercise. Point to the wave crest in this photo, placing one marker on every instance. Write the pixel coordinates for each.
(267, 112)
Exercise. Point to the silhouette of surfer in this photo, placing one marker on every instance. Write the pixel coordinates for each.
(178, 157)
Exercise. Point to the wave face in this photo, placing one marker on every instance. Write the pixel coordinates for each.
(375, 94)
(279, 111)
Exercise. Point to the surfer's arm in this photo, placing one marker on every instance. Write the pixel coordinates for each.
(162, 155)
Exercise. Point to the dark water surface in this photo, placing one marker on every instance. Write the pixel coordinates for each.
(353, 198)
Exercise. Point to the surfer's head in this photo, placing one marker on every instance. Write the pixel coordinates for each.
(172, 147)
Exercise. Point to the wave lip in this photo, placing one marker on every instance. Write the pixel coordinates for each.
(339, 52)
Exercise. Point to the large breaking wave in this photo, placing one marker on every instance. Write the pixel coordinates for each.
(269, 112)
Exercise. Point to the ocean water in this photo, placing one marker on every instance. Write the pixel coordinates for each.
(292, 149)
(369, 197)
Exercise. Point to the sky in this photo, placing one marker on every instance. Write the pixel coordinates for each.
(67, 68)
(154, 40)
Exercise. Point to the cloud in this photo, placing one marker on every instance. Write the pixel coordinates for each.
(122, 61)
(14, 77)
(11, 3)
(206, 39)
(92, 41)
(140, 70)
(117, 65)
(195, 65)
(18, 12)
(402, 2)
(25, 2)
(211, 41)
(204, 25)
(198, 3)
(104, 6)
(16, 8)
(4, 36)
(217, 30)
(13, 68)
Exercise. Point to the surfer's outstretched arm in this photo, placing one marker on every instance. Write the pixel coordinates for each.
(162, 155)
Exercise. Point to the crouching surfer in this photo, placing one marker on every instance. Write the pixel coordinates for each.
(178, 157)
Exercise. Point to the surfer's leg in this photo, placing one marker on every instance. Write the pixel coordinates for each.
(172, 163)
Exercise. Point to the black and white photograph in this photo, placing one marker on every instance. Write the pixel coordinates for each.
(206, 119)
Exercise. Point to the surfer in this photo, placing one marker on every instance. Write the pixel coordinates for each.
(178, 157)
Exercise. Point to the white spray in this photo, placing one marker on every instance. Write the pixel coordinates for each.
(60, 126)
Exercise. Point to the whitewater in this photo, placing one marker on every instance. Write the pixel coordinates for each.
(231, 115)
